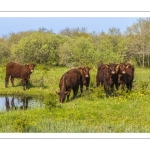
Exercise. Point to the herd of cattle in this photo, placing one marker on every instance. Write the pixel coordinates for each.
(108, 75)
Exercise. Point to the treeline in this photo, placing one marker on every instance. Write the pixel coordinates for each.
(75, 47)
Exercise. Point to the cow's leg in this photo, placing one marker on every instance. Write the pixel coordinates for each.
(87, 83)
(123, 85)
(117, 87)
(112, 88)
(127, 85)
(68, 96)
(97, 82)
(6, 80)
(130, 86)
(68, 93)
(75, 92)
(81, 88)
(12, 81)
(106, 89)
(24, 84)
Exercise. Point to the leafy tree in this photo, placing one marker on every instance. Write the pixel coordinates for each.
(38, 47)
(139, 37)
(78, 51)
(76, 32)
(4, 51)
(110, 46)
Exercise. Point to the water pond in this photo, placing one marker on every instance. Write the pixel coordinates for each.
(13, 103)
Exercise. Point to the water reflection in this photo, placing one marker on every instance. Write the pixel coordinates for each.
(13, 103)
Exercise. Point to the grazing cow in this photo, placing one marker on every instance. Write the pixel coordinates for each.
(85, 76)
(126, 75)
(104, 77)
(69, 81)
(15, 70)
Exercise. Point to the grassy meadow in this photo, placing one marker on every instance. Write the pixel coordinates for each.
(90, 113)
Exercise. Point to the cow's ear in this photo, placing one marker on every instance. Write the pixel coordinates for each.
(57, 92)
(26, 65)
(66, 93)
(34, 65)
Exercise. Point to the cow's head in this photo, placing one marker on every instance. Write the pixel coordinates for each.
(62, 96)
(31, 67)
(86, 72)
(122, 68)
(113, 68)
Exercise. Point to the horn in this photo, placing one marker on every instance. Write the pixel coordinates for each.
(127, 66)
(117, 66)
(107, 66)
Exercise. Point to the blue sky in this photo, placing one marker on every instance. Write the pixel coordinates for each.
(56, 24)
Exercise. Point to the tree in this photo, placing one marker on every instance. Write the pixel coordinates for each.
(139, 36)
(4, 51)
(78, 51)
(38, 47)
(110, 46)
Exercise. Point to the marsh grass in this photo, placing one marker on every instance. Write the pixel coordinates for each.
(90, 112)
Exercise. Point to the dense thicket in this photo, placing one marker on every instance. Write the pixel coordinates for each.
(74, 47)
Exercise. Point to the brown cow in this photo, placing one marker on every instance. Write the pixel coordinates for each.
(100, 75)
(69, 81)
(104, 76)
(114, 71)
(125, 75)
(15, 70)
(85, 76)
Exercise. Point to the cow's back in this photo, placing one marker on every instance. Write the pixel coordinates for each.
(14, 69)
(74, 77)
(100, 73)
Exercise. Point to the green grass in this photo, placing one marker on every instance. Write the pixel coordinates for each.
(90, 113)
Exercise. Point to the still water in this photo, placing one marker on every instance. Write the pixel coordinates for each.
(13, 103)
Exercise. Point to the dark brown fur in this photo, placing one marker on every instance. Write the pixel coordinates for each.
(69, 81)
(15, 70)
(104, 77)
(85, 71)
(126, 75)
(114, 71)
